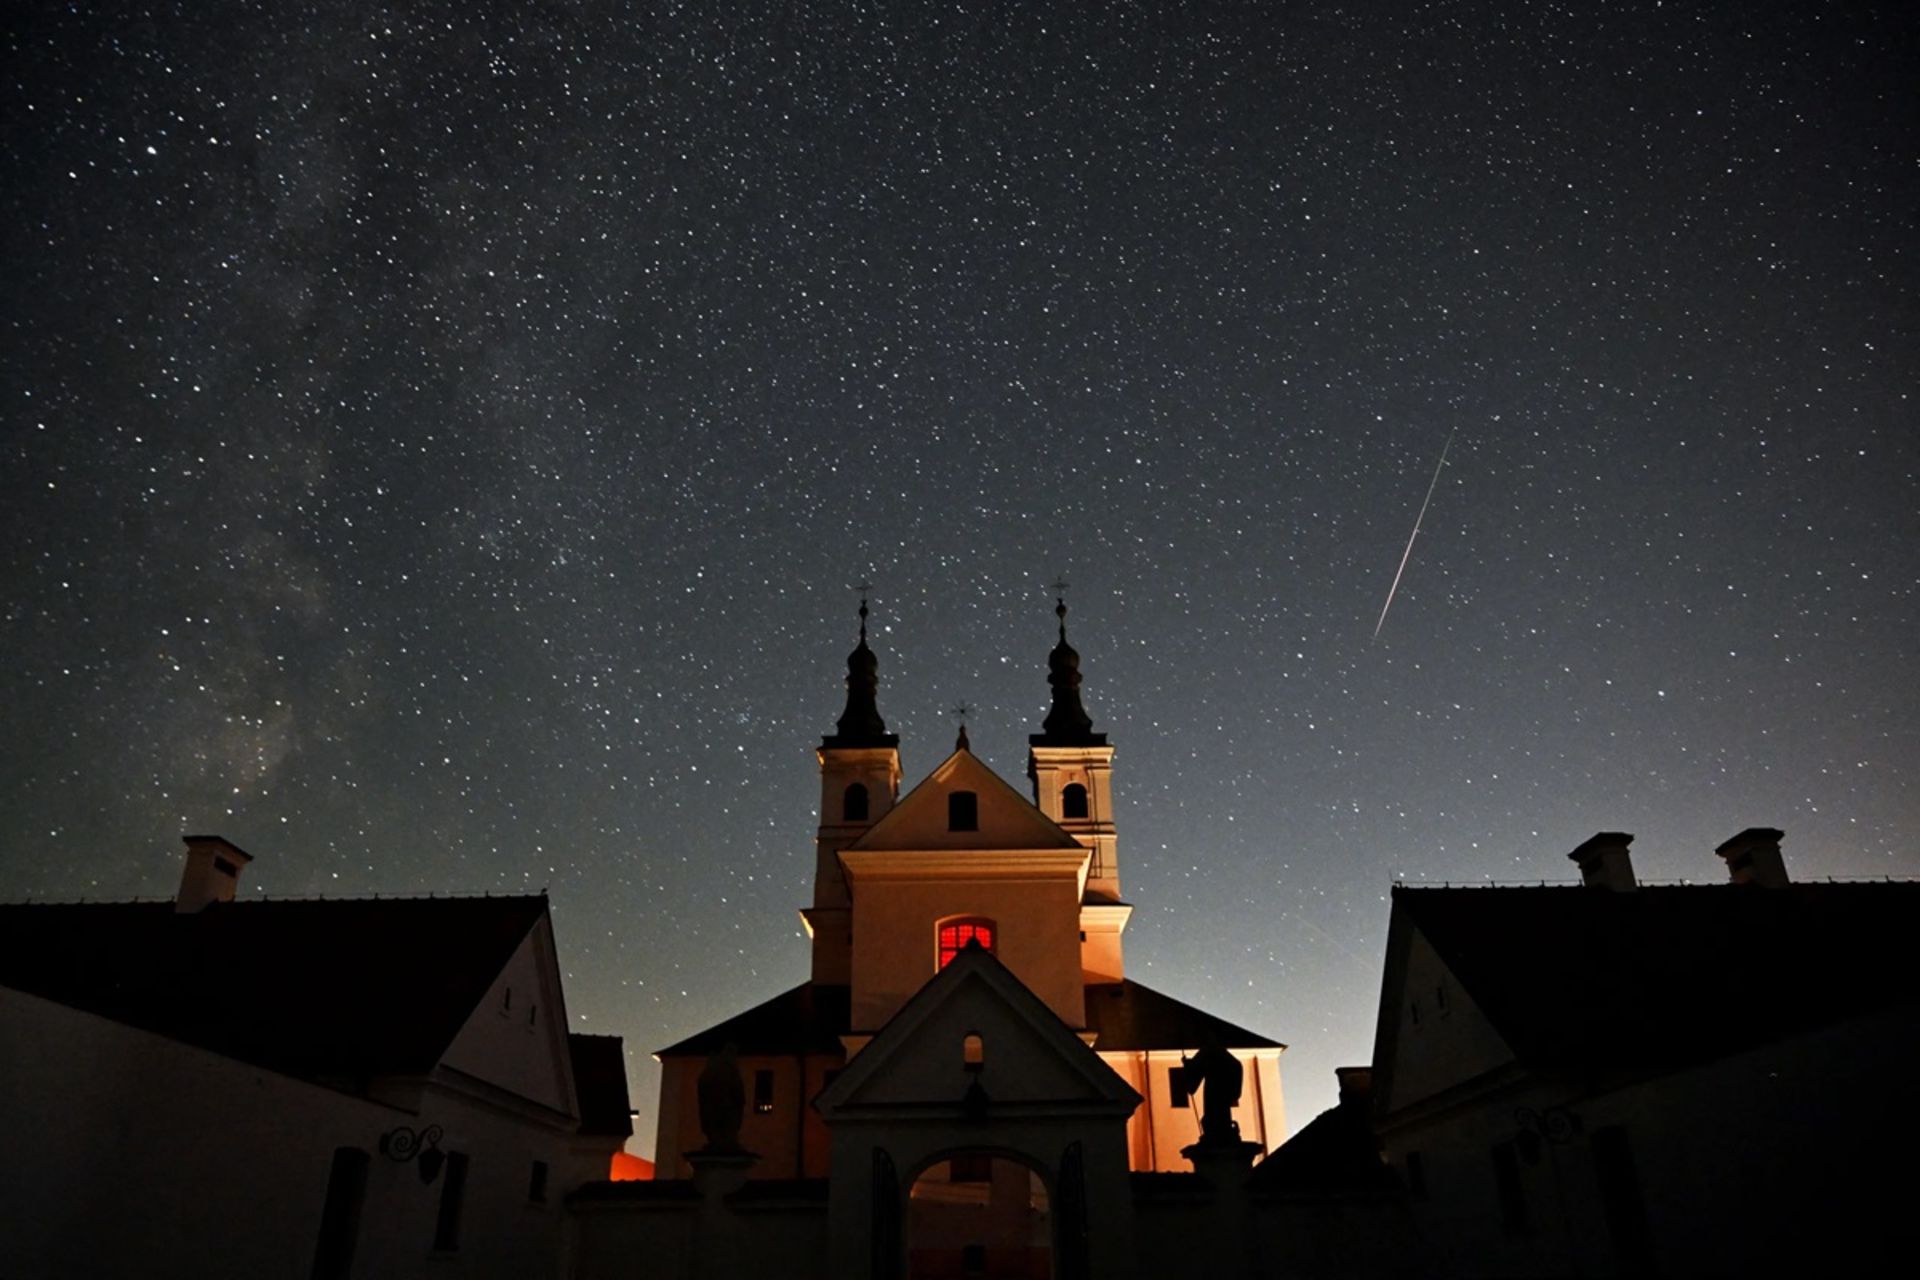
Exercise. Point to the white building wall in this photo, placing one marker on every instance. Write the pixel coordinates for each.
(1765, 1161)
(130, 1154)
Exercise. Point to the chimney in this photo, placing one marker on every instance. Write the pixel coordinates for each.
(212, 872)
(1753, 857)
(1604, 863)
(1356, 1086)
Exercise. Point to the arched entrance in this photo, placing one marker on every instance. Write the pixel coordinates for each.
(978, 1215)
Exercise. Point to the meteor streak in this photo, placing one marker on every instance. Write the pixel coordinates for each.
(1408, 553)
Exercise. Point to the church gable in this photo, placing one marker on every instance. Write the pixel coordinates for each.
(975, 1023)
(938, 815)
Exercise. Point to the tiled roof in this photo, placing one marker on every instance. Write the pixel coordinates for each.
(1667, 974)
(1129, 1016)
(335, 990)
(808, 1019)
(600, 1079)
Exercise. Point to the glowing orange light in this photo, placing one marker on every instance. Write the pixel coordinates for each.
(628, 1168)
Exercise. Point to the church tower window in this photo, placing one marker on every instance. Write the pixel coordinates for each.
(1073, 801)
(963, 811)
(956, 934)
(853, 803)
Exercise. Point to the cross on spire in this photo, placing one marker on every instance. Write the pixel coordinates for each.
(865, 588)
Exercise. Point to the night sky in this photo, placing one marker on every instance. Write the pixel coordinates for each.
(440, 442)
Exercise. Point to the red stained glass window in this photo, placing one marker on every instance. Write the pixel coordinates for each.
(956, 934)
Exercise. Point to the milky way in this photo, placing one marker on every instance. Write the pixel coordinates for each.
(440, 440)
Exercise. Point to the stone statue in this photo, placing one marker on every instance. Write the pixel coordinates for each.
(1222, 1075)
(723, 1100)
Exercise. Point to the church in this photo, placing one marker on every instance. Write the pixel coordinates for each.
(967, 1078)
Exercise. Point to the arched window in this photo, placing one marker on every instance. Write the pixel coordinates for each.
(956, 934)
(973, 1051)
(1073, 801)
(963, 811)
(853, 803)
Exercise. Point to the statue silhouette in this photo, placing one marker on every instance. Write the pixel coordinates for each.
(1222, 1075)
(723, 1100)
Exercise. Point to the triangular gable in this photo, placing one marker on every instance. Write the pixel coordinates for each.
(1418, 1054)
(515, 1039)
(1007, 819)
(1030, 1057)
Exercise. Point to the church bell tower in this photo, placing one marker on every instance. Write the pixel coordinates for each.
(859, 782)
(1071, 768)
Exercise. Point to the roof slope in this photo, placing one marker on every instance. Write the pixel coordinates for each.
(1129, 1016)
(1335, 1155)
(914, 1060)
(1666, 974)
(809, 1018)
(324, 989)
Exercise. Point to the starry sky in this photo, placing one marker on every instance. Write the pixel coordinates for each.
(440, 442)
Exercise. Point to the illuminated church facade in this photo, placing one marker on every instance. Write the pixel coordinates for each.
(904, 884)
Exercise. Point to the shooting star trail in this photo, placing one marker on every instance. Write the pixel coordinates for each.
(1408, 553)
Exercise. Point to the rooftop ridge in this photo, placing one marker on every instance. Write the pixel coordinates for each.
(265, 897)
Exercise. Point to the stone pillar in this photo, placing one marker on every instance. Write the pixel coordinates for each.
(717, 1252)
(1227, 1249)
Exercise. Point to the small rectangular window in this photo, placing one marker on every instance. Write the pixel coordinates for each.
(1620, 1195)
(1440, 999)
(537, 1182)
(1416, 1176)
(226, 868)
(1513, 1195)
(453, 1194)
(1175, 1094)
(963, 811)
(763, 1092)
(340, 1215)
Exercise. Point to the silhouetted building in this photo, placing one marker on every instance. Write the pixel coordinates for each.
(1627, 1079)
(216, 1087)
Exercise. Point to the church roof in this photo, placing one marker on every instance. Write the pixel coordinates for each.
(600, 1082)
(1129, 1016)
(914, 1060)
(810, 1018)
(334, 989)
(1663, 975)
